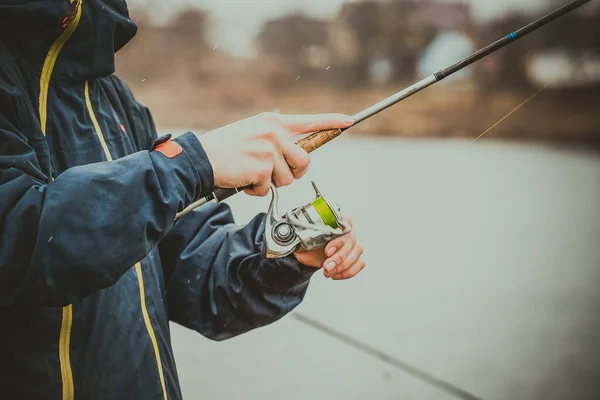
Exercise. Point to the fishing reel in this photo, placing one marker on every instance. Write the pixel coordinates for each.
(311, 226)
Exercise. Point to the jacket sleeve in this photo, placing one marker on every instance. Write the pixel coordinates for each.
(65, 239)
(219, 282)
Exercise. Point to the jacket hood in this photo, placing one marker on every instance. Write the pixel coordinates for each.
(34, 27)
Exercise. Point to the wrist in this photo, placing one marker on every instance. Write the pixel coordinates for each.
(285, 273)
(306, 259)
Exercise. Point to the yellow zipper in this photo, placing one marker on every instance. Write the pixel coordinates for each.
(138, 266)
(64, 342)
(88, 103)
(49, 65)
(64, 353)
(138, 270)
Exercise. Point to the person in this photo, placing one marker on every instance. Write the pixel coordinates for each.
(94, 263)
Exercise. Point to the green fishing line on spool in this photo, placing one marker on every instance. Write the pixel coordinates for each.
(325, 212)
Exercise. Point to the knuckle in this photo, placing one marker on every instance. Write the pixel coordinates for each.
(339, 242)
(339, 245)
(297, 173)
(263, 190)
(302, 162)
(262, 151)
(339, 259)
(279, 182)
(267, 153)
(264, 173)
(271, 135)
(350, 262)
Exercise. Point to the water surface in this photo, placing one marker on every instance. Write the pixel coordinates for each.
(483, 270)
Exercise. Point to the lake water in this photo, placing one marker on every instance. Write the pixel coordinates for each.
(483, 270)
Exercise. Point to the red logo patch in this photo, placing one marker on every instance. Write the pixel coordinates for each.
(169, 148)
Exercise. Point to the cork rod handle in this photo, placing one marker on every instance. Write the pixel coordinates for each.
(318, 139)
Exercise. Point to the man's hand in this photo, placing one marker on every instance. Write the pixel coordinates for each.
(340, 259)
(253, 152)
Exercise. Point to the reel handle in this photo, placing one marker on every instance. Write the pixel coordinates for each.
(309, 144)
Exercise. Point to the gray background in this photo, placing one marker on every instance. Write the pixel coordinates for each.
(483, 265)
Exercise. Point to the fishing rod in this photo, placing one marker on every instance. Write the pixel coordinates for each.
(317, 139)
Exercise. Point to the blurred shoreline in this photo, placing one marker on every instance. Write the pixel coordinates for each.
(367, 52)
(455, 110)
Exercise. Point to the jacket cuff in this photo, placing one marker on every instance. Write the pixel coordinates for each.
(183, 169)
(283, 274)
(193, 148)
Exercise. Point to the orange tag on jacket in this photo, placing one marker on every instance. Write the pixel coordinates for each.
(169, 148)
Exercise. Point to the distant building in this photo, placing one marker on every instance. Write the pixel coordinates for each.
(447, 48)
(367, 42)
(370, 37)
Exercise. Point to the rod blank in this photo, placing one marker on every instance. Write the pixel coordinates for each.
(318, 139)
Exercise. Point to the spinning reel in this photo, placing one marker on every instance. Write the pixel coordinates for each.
(311, 226)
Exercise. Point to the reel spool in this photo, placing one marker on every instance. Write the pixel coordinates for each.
(310, 226)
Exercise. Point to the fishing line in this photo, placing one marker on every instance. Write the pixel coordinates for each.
(382, 356)
(527, 100)
(318, 139)
(362, 347)
(395, 362)
(514, 110)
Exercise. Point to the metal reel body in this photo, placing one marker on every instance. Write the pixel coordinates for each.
(311, 226)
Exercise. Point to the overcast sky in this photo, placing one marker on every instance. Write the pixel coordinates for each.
(236, 22)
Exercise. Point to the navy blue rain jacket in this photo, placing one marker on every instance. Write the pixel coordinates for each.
(93, 265)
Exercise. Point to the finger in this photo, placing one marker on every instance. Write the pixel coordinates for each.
(350, 272)
(330, 266)
(297, 159)
(333, 246)
(261, 183)
(260, 190)
(298, 124)
(350, 260)
(282, 174)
